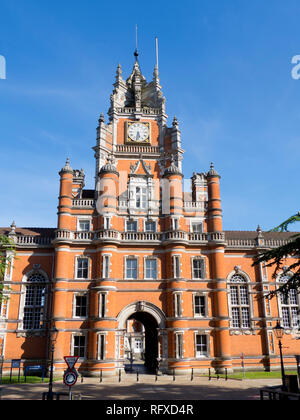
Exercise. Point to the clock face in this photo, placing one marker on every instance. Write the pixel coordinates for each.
(138, 132)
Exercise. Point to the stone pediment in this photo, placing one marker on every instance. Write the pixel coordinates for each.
(140, 169)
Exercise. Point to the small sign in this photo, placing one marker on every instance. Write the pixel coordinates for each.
(70, 378)
(16, 363)
(71, 361)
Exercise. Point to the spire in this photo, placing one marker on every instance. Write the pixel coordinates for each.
(119, 73)
(136, 54)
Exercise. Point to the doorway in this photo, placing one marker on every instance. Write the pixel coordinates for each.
(141, 343)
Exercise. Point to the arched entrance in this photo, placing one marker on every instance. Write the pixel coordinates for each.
(150, 335)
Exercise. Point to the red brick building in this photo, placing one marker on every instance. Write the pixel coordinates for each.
(138, 247)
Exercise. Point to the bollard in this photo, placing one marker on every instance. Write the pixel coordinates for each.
(82, 379)
(192, 375)
(101, 375)
(156, 375)
(174, 375)
(137, 375)
(119, 375)
(226, 377)
(209, 376)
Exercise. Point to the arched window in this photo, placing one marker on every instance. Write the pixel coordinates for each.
(288, 304)
(239, 301)
(34, 305)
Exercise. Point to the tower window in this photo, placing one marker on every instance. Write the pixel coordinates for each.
(176, 266)
(197, 227)
(79, 342)
(199, 306)
(81, 306)
(131, 268)
(106, 266)
(84, 225)
(179, 345)
(102, 305)
(141, 198)
(177, 305)
(198, 268)
(201, 345)
(82, 268)
(101, 344)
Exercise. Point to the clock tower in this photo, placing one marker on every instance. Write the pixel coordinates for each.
(137, 124)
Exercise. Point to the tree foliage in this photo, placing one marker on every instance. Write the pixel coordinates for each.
(278, 258)
(7, 245)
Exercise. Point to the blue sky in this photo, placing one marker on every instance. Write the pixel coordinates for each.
(225, 68)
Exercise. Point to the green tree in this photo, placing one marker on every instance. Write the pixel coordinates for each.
(278, 258)
(7, 245)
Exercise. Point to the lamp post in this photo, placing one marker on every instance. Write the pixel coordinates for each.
(53, 338)
(279, 331)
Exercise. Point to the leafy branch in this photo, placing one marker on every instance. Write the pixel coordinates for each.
(7, 246)
(277, 257)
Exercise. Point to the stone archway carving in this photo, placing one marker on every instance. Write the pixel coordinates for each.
(141, 306)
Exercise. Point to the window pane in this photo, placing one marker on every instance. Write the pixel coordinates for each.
(235, 317)
(197, 227)
(201, 345)
(81, 306)
(79, 345)
(244, 295)
(245, 318)
(197, 269)
(131, 268)
(286, 317)
(150, 226)
(82, 268)
(102, 347)
(131, 226)
(84, 225)
(199, 305)
(151, 269)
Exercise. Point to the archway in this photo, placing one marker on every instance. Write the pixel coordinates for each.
(154, 347)
(149, 340)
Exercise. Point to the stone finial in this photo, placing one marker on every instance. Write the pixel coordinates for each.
(173, 168)
(13, 228)
(212, 171)
(119, 71)
(110, 166)
(67, 167)
(101, 119)
(12, 234)
(175, 121)
(258, 230)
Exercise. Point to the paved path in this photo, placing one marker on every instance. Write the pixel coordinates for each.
(147, 389)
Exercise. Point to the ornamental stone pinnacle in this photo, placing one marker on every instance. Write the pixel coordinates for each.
(212, 171)
(67, 167)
